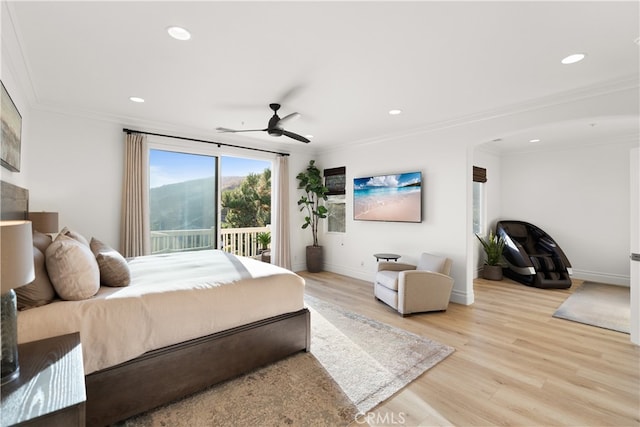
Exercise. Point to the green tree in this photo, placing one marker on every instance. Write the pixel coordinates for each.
(248, 205)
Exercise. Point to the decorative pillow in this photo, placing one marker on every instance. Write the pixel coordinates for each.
(114, 270)
(41, 241)
(73, 270)
(40, 291)
(75, 235)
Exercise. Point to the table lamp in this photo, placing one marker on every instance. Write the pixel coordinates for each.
(44, 222)
(16, 269)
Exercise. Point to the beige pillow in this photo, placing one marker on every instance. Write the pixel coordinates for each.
(73, 270)
(75, 235)
(40, 291)
(41, 241)
(114, 270)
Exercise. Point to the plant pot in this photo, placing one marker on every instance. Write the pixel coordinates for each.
(492, 272)
(315, 258)
(265, 256)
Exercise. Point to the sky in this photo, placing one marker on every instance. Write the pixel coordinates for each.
(167, 167)
(388, 180)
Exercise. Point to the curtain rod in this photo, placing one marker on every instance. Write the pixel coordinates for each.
(219, 144)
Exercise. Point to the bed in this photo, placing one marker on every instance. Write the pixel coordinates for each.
(186, 321)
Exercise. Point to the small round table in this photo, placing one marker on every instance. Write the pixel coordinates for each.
(386, 257)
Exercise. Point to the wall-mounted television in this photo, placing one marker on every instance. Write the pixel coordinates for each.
(395, 197)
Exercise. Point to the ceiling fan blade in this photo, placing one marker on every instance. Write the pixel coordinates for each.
(288, 118)
(219, 129)
(290, 93)
(295, 136)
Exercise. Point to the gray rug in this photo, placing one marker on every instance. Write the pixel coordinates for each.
(355, 363)
(598, 304)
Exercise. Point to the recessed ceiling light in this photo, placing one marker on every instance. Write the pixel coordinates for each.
(395, 112)
(136, 99)
(572, 59)
(179, 33)
(534, 140)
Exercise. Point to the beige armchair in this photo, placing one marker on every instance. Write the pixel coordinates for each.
(414, 289)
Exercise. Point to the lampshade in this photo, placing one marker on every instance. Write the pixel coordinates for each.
(16, 254)
(44, 222)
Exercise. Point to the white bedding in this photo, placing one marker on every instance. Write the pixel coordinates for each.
(172, 298)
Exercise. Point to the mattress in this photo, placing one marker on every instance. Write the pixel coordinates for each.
(172, 298)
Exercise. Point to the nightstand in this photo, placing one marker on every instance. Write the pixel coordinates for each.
(50, 390)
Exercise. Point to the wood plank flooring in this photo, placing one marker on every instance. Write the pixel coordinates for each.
(514, 364)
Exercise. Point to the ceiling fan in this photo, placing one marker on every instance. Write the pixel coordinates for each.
(274, 128)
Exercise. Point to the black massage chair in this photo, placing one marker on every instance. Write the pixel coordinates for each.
(532, 256)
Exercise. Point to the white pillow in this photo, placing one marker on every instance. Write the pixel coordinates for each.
(73, 269)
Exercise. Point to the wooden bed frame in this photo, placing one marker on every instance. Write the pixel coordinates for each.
(170, 373)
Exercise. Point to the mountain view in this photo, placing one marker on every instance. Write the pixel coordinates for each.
(187, 205)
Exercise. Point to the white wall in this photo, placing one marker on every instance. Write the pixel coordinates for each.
(581, 198)
(443, 164)
(75, 169)
(446, 155)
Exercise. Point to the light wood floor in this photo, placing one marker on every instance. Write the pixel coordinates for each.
(514, 364)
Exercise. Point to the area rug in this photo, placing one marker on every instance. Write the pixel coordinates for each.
(598, 304)
(354, 364)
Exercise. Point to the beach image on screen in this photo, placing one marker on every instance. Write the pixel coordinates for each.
(388, 197)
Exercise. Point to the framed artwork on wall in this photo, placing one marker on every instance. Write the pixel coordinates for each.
(11, 136)
(396, 198)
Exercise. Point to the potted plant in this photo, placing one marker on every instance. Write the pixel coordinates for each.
(310, 181)
(493, 247)
(264, 239)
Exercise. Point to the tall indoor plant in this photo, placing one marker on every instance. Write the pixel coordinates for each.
(493, 246)
(310, 181)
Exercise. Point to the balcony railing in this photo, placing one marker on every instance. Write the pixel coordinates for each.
(238, 241)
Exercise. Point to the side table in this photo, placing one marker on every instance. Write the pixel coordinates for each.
(50, 390)
(386, 257)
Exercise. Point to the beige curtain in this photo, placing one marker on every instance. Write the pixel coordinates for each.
(281, 244)
(134, 228)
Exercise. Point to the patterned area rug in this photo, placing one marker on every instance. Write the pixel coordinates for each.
(355, 363)
(598, 304)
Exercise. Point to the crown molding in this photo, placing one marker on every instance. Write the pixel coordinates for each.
(624, 83)
(13, 57)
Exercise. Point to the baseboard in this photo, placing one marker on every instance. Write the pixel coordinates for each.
(351, 272)
(460, 297)
(612, 279)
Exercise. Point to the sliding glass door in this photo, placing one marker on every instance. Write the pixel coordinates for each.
(246, 205)
(183, 202)
(201, 201)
